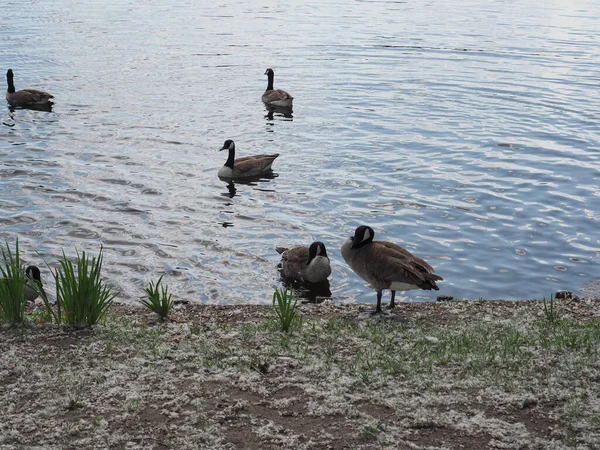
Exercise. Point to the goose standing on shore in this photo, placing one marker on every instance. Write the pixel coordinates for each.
(275, 97)
(386, 265)
(24, 97)
(246, 166)
(305, 263)
(33, 275)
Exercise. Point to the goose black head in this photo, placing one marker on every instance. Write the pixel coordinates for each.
(269, 72)
(362, 236)
(9, 79)
(316, 249)
(34, 273)
(228, 145)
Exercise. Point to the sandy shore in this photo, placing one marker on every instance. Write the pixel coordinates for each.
(451, 375)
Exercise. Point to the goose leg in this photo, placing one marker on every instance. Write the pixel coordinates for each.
(378, 309)
(392, 301)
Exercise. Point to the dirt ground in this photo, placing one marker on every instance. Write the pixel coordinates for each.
(451, 375)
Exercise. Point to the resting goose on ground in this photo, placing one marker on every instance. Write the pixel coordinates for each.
(246, 166)
(33, 273)
(386, 265)
(305, 263)
(24, 97)
(275, 97)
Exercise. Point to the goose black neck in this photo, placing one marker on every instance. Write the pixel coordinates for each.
(229, 162)
(9, 79)
(270, 75)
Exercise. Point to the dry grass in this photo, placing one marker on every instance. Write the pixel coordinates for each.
(446, 375)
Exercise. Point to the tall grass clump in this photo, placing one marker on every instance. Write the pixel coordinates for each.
(12, 286)
(158, 301)
(81, 296)
(285, 307)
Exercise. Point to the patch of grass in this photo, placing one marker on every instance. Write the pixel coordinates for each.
(549, 312)
(74, 387)
(41, 317)
(158, 301)
(285, 308)
(12, 286)
(133, 405)
(121, 332)
(372, 430)
(81, 296)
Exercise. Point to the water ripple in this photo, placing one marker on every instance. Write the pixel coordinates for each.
(467, 132)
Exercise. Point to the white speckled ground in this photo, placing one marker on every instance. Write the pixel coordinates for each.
(446, 375)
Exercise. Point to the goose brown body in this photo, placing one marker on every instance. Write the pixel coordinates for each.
(385, 265)
(305, 263)
(24, 97)
(246, 166)
(275, 97)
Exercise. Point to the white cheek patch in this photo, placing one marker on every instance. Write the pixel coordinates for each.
(318, 250)
(367, 235)
(231, 145)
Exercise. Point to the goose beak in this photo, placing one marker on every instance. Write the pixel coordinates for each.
(353, 242)
(223, 148)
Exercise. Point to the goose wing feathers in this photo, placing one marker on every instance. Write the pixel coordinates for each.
(398, 264)
(293, 262)
(251, 165)
(29, 97)
(396, 248)
(276, 95)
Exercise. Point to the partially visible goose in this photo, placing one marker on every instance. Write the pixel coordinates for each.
(33, 273)
(305, 263)
(24, 97)
(386, 265)
(245, 167)
(275, 97)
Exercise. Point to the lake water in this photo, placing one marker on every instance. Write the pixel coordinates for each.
(466, 131)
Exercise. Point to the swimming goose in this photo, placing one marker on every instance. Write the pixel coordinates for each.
(275, 97)
(386, 265)
(305, 263)
(24, 97)
(33, 273)
(245, 167)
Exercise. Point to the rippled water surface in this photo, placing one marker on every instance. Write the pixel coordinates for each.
(466, 131)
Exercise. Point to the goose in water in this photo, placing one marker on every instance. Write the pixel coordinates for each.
(275, 97)
(385, 265)
(305, 263)
(33, 274)
(246, 166)
(24, 97)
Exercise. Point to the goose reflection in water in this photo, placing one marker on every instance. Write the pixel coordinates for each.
(10, 121)
(284, 111)
(46, 107)
(310, 292)
(232, 189)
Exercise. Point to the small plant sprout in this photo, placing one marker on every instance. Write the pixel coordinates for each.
(549, 312)
(74, 386)
(285, 307)
(81, 296)
(159, 300)
(12, 286)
